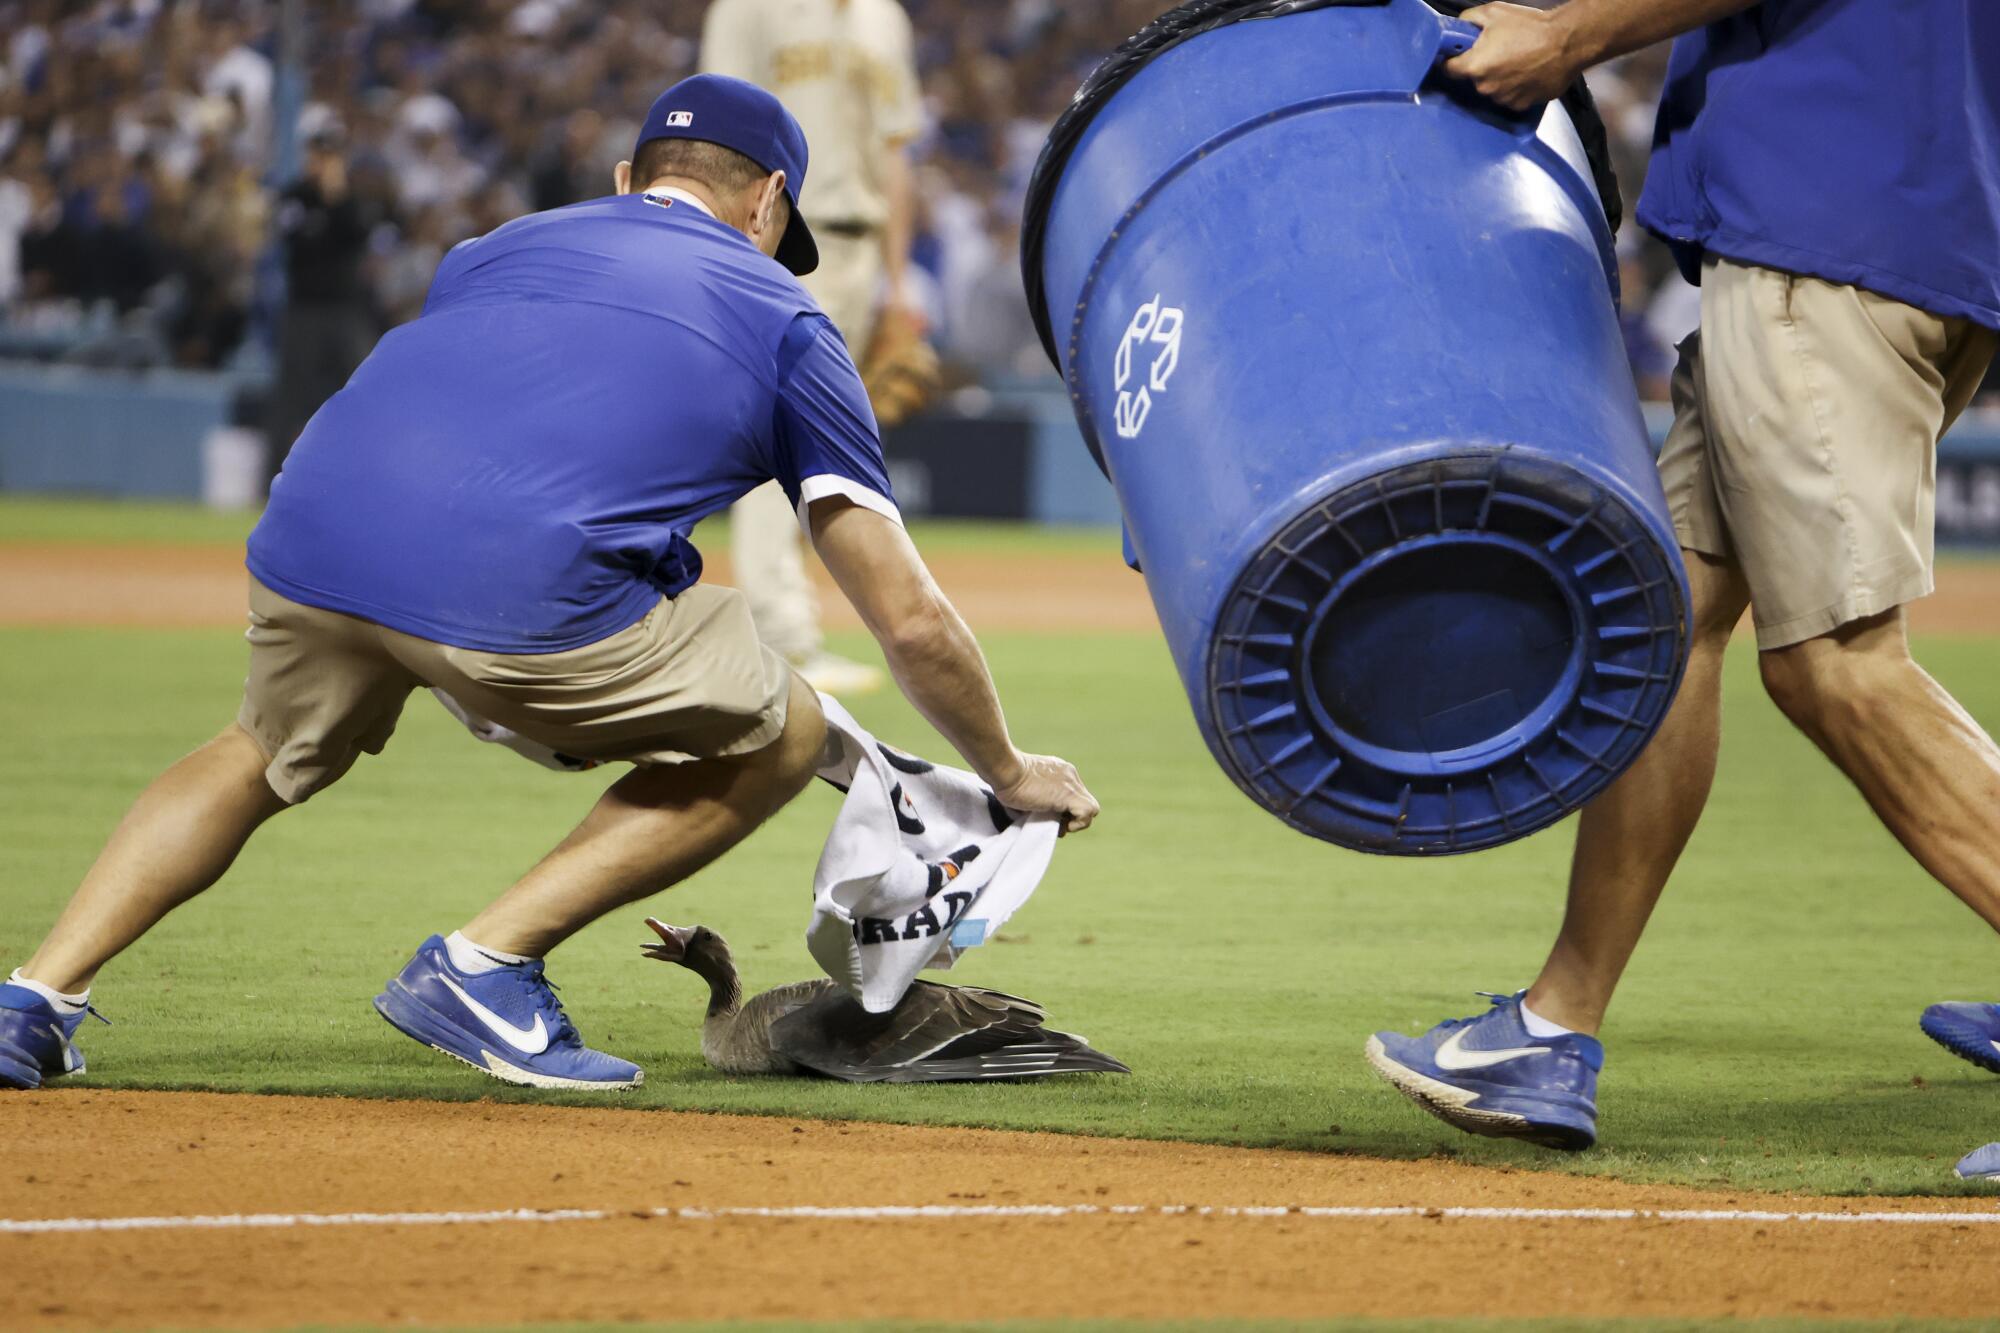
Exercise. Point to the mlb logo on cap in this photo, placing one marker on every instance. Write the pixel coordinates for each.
(746, 119)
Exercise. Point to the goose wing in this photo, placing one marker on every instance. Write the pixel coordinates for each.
(937, 1034)
(1051, 1053)
(833, 1034)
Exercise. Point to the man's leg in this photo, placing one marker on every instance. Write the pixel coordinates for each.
(652, 829)
(480, 995)
(1629, 838)
(1930, 773)
(1528, 1067)
(1504, 1073)
(1928, 770)
(320, 693)
(1883, 382)
(176, 840)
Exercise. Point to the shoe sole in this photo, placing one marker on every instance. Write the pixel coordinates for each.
(419, 1022)
(1449, 1104)
(1962, 1039)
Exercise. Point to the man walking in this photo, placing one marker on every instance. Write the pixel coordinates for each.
(498, 505)
(1829, 172)
(847, 69)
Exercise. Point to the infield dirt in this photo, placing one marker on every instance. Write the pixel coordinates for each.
(61, 583)
(116, 1154)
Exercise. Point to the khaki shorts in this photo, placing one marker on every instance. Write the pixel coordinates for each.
(688, 682)
(1804, 446)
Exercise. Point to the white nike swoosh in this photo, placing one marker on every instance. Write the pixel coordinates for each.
(1453, 1055)
(1994, 1044)
(528, 1041)
(68, 1051)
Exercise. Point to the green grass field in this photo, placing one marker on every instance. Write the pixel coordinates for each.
(1766, 1036)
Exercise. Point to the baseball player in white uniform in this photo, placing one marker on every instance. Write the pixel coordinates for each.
(847, 70)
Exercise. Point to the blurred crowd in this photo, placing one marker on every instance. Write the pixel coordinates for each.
(141, 195)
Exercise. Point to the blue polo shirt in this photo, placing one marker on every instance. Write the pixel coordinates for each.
(1852, 140)
(517, 470)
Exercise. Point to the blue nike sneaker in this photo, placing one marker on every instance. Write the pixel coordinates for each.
(1486, 1075)
(35, 1040)
(507, 1023)
(1980, 1164)
(1968, 1030)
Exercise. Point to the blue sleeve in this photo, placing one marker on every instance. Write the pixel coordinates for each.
(827, 440)
(449, 270)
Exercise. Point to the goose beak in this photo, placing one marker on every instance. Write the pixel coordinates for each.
(673, 944)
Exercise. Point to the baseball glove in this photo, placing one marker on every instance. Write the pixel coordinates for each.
(900, 370)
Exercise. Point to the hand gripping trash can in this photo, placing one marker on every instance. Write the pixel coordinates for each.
(1344, 337)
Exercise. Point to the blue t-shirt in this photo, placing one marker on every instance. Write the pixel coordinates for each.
(1852, 140)
(517, 469)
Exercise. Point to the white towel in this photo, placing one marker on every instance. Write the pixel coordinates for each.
(922, 864)
(495, 734)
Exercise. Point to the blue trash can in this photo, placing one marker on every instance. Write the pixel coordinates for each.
(1344, 337)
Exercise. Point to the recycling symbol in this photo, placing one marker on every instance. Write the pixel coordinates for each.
(1157, 329)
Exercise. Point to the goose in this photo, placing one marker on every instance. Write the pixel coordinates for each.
(937, 1034)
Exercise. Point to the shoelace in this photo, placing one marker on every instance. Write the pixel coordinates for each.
(1453, 1023)
(561, 1031)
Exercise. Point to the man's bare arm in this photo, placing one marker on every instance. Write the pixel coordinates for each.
(936, 660)
(1525, 57)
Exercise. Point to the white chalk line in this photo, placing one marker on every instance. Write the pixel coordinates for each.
(962, 1212)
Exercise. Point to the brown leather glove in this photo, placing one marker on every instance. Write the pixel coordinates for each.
(900, 370)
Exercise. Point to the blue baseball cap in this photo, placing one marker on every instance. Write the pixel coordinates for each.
(739, 115)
